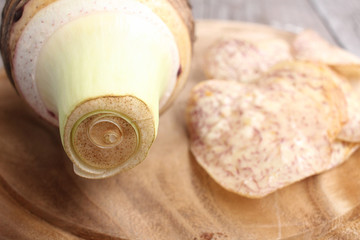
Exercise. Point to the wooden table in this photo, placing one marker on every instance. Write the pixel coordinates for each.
(336, 20)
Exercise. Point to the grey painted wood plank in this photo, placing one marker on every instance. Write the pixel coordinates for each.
(342, 18)
(292, 15)
(2, 3)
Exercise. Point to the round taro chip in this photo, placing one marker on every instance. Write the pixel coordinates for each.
(318, 82)
(350, 132)
(253, 139)
(310, 46)
(244, 59)
(347, 102)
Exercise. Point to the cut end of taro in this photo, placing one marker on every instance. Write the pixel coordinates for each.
(101, 143)
(104, 140)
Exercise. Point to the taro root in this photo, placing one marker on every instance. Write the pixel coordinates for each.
(100, 70)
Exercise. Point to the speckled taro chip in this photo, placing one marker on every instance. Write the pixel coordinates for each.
(351, 130)
(317, 82)
(244, 60)
(309, 46)
(256, 138)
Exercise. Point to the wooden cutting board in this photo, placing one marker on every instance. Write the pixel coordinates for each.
(168, 196)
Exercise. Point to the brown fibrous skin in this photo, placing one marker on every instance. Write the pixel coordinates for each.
(11, 13)
(13, 10)
(183, 7)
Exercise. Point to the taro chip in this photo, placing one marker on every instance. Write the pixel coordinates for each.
(341, 151)
(309, 46)
(351, 130)
(350, 71)
(244, 60)
(254, 139)
(318, 82)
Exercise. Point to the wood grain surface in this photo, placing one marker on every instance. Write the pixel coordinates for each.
(168, 196)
